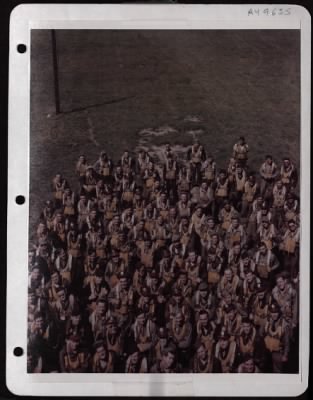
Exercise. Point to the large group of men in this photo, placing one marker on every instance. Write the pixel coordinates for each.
(167, 266)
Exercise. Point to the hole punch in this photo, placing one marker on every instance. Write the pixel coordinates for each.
(18, 351)
(20, 200)
(21, 48)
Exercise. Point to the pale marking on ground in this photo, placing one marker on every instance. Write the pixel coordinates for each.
(192, 118)
(161, 131)
(91, 129)
(195, 132)
(157, 152)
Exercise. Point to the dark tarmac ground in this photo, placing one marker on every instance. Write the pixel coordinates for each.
(113, 84)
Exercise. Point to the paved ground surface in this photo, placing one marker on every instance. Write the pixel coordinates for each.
(114, 85)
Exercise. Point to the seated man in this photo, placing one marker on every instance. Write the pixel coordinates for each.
(136, 363)
(73, 358)
(248, 365)
(102, 360)
(168, 362)
(143, 333)
(225, 352)
(204, 361)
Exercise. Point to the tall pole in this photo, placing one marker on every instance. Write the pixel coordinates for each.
(55, 72)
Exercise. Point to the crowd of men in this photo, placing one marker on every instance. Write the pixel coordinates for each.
(172, 266)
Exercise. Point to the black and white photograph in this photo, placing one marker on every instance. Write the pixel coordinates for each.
(165, 209)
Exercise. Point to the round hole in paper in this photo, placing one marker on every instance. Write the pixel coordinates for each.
(20, 199)
(18, 351)
(21, 48)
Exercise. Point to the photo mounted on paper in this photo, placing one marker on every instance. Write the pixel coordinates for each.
(164, 201)
(164, 167)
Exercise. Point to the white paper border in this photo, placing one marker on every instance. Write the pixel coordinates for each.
(136, 16)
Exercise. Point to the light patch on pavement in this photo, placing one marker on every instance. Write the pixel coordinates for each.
(158, 152)
(161, 131)
(192, 118)
(91, 129)
(195, 132)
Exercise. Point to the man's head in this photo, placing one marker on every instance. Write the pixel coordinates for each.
(177, 295)
(265, 223)
(92, 257)
(261, 290)
(141, 319)
(101, 306)
(145, 293)
(179, 319)
(224, 339)
(76, 317)
(269, 159)
(61, 292)
(160, 220)
(39, 320)
(73, 344)
(99, 277)
(281, 281)
(123, 279)
(235, 222)
(292, 225)
(35, 273)
(248, 363)
(101, 350)
(203, 318)
(211, 255)
(222, 174)
(112, 326)
(230, 310)
(274, 311)
(199, 211)
(236, 248)
(245, 259)
(192, 256)
(168, 356)
(262, 248)
(250, 276)
(286, 162)
(183, 277)
(203, 289)
(202, 352)
(173, 212)
(227, 206)
(228, 273)
(246, 326)
(251, 179)
(211, 222)
(214, 239)
(32, 298)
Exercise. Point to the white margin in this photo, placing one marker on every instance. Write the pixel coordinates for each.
(136, 16)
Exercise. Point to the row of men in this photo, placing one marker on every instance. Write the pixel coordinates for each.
(154, 255)
(64, 335)
(197, 174)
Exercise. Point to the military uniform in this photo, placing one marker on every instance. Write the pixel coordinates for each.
(227, 355)
(265, 263)
(103, 366)
(240, 152)
(276, 339)
(290, 251)
(248, 196)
